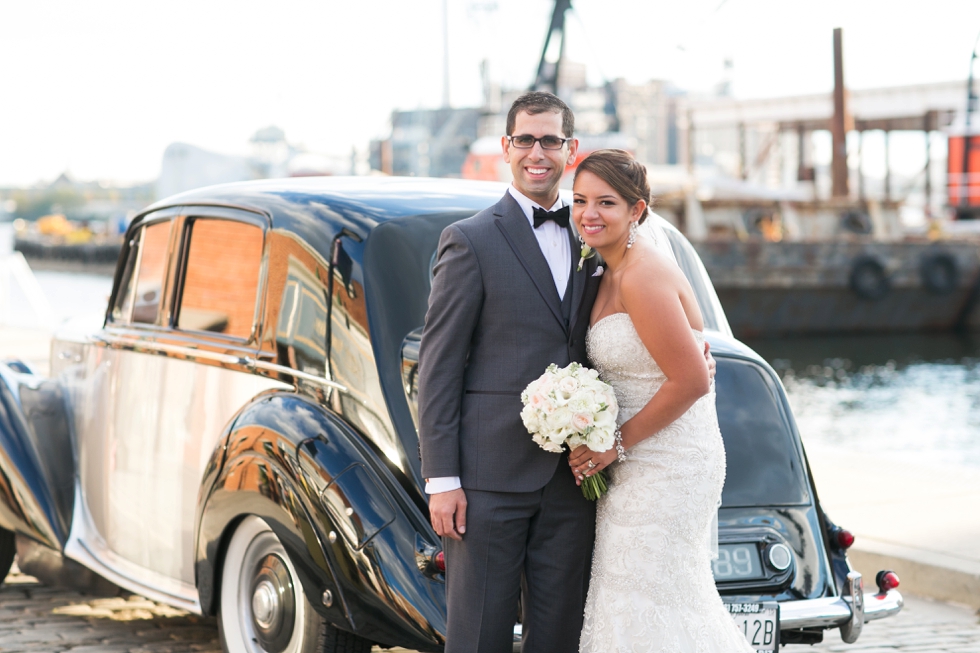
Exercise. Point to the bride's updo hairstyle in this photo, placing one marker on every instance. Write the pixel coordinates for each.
(626, 175)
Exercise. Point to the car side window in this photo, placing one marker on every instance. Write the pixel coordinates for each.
(140, 289)
(221, 277)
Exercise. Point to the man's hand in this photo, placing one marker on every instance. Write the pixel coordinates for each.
(448, 513)
(712, 364)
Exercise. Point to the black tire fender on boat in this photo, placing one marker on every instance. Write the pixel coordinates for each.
(8, 550)
(868, 278)
(856, 222)
(940, 273)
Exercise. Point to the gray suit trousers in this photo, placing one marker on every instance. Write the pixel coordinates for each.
(542, 540)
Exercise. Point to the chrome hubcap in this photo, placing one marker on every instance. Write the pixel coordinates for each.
(273, 603)
(265, 604)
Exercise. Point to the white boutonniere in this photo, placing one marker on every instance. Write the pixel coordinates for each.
(586, 253)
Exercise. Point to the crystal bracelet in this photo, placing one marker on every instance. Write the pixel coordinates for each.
(620, 449)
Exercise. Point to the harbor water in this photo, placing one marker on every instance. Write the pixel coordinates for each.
(901, 397)
(913, 397)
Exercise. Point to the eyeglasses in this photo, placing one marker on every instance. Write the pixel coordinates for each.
(526, 142)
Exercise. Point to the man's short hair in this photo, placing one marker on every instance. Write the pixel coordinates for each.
(535, 102)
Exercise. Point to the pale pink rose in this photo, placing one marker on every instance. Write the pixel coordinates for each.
(545, 384)
(581, 421)
(537, 401)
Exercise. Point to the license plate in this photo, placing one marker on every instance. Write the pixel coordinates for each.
(759, 622)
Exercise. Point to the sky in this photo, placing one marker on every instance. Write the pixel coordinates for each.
(99, 88)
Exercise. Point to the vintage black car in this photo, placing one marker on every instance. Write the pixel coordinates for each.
(239, 437)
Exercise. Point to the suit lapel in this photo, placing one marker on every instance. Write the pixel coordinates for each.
(579, 277)
(584, 285)
(516, 229)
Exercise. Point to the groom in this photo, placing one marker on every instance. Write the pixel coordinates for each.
(506, 302)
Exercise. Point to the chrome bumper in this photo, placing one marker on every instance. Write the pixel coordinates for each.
(849, 612)
(836, 611)
(830, 612)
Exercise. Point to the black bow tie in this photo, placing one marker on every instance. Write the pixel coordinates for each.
(560, 217)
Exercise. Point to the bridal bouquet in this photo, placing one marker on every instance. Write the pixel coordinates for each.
(571, 406)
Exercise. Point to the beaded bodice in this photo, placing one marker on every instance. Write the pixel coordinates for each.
(624, 362)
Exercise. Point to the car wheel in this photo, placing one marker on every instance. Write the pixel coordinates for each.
(8, 550)
(263, 609)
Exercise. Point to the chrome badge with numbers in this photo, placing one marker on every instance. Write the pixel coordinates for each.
(737, 562)
(759, 622)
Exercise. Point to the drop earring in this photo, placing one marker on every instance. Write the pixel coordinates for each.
(632, 238)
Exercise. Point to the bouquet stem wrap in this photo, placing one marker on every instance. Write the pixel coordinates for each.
(571, 406)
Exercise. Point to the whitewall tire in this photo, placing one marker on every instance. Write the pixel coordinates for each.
(262, 606)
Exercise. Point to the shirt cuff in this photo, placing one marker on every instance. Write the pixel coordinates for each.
(442, 484)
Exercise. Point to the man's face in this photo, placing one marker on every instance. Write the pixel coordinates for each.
(537, 171)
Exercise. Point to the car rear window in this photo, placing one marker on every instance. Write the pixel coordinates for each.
(689, 261)
(764, 466)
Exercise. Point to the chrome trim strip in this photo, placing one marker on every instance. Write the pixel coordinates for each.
(833, 611)
(288, 371)
(193, 353)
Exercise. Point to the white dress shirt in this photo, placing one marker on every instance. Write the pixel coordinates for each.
(553, 241)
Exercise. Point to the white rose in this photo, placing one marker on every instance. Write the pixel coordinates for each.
(581, 403)
(600, 440)
(559, 417)
(576, 441)
(569, 385)
(531, 419)
(546, 443)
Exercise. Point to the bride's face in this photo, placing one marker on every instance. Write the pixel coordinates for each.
(601, 215)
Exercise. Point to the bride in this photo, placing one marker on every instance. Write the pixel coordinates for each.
(651, 588)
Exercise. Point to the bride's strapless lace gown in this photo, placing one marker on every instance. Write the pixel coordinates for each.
(652, 588)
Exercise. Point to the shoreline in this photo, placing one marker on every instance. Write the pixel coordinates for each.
(72, 267)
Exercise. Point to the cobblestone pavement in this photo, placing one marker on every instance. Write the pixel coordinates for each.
(35, 618)
(923, 626)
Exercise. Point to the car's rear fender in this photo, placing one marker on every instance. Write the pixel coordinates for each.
(37, 460)
(347, 527)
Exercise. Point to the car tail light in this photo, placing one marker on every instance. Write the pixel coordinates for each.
(845, 538)
(440, 561)
(886, 580)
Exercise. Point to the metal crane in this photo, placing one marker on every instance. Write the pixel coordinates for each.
(547, 77)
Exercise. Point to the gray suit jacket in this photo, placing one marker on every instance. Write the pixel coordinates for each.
(494, 324)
